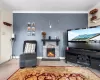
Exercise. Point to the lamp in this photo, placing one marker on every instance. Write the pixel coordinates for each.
(50, 25)
(13, 37)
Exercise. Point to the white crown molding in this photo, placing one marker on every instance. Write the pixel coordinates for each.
(51, 12)
(16, 57)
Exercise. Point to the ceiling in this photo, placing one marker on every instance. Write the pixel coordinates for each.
(50, 5)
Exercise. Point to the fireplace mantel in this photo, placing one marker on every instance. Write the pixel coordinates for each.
(51, 40)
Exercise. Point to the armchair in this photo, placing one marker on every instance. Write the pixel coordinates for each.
(29, 56)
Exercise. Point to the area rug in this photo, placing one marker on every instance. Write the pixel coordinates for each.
(54, 73)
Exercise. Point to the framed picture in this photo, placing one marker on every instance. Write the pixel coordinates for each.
(33, 29)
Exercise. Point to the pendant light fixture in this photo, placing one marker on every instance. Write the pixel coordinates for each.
(50, 26)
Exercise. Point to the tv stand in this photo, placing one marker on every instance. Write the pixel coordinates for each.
(83, 57)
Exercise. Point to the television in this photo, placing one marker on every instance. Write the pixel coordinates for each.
(87, 38)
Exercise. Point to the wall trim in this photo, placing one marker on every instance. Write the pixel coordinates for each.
(51, 12)
(16, 57)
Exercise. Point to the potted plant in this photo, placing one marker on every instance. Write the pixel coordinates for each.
(44, 35)
(93, 11)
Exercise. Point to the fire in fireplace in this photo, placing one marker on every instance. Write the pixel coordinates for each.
(50, 52)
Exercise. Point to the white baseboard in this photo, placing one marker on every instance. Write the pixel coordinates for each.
(39, 57)
(62, 57)
(16, 57)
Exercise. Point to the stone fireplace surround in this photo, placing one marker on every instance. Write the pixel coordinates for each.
(50, 44)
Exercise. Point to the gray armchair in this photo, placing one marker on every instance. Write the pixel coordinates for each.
(29, 56)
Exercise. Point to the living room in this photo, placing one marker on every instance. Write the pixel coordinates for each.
(49, 40)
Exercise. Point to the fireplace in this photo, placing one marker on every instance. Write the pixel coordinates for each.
(50, 52)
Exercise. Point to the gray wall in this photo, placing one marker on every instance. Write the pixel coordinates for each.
(66, 21)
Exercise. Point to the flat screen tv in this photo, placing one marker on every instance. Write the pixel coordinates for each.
(88, 38)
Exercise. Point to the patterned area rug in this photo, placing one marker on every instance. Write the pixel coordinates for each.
(54, 73)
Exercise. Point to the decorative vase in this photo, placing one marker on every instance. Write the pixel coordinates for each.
(49, 37)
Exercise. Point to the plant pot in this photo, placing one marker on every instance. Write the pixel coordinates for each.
(44, 36)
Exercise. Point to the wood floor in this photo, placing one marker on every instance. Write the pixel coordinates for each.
(9, 67)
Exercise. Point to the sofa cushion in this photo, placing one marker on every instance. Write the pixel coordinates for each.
(29, 48)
